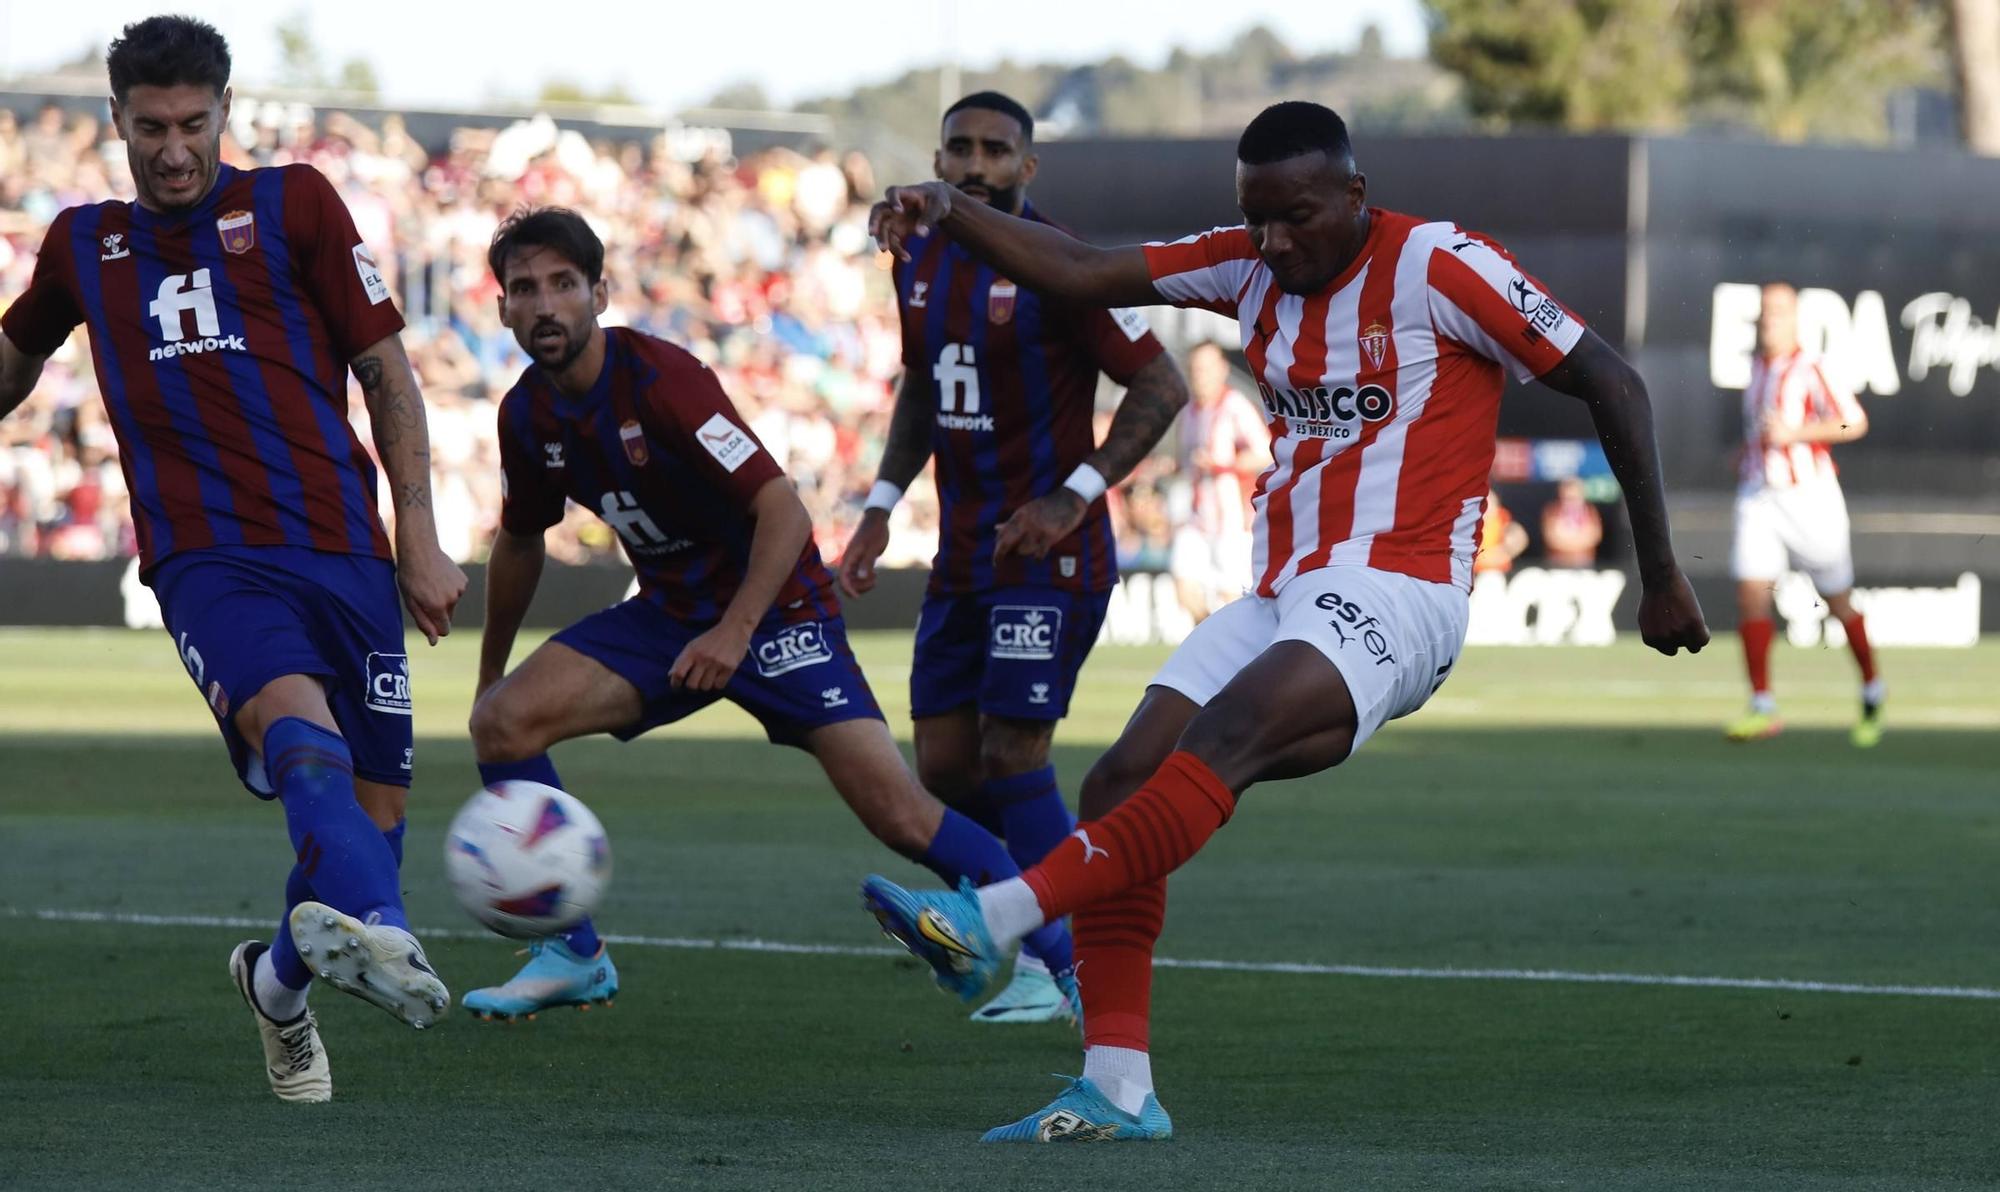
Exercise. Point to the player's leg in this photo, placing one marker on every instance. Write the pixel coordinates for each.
(947, 748)
(1036, 640)
(588, 679)
(945, 667)
(1757, 559)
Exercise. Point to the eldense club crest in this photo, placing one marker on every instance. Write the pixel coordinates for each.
(238, 230)
(1375, 344)
(1000, 301)
(633, 436)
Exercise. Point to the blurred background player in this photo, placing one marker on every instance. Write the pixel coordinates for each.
(1501, 538)
(733, 600)
(225, 307)
(999, 386)
(1571, 527)
(1379, 341)
(1224, 445)
(1790, 511)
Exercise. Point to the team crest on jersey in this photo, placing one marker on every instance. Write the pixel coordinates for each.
(1000, 301)
(238, 230)
(633, 436)
(1375, 344)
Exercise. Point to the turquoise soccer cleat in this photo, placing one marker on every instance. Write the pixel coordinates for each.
(553, 976)
(942, 928)
(1083, 1114)
(1034, 996)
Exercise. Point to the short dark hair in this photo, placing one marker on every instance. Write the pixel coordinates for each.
(994, 101)
(1292, 129)
(167, 51)
(557, 229)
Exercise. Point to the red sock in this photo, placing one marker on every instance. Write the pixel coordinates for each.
(1145, 838)
(1114, 964)
(1857, 641)
(1757, 652)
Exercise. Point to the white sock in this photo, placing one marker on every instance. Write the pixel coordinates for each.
(1120, 1073)
(1872, 691)
(1010, 910)
(279, 1001)
(1764, 703)
(1025, 963)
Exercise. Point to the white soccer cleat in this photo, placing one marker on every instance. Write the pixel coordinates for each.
(294, 1059)
(379, 964)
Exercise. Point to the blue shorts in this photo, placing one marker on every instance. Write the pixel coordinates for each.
(796, 678)
(241, 616)
(1012, 651)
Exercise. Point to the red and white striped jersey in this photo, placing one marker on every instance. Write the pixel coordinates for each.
(1795, 388)
(1383, 389)
(1227, 445)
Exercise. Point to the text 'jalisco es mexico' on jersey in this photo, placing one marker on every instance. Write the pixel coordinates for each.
(1382, 388)
(1012, 379)
(221, 337)
(657, 450)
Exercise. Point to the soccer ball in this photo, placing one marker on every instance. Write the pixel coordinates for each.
(527, 860)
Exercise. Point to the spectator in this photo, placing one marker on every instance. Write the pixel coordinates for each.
(1501, 539)
(1571, 527)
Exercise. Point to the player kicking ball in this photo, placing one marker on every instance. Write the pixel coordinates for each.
(225, 308)
(734, 602)
(1379, 343)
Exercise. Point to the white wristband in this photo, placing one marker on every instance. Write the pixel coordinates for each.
(1086, 482)
(883, 496)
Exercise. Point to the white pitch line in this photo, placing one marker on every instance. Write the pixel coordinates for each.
(1279, 968)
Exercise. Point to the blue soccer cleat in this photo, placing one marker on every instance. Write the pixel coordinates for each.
(553, 976)
(1082, 1114)
(1034, 995)
(942, 928)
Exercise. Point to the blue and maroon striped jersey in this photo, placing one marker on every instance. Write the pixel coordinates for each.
(1013, 380)
(221, 337)
(657, 450)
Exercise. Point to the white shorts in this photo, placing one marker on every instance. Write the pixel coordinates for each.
(1780, 529)
(1219, 565)
(1393, 638)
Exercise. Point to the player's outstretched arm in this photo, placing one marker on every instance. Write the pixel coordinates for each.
(431, 582)
(903, 459)
(513, 572)
(1669, 616)
(783, 526)
(1152, 401)
(1031, 253)
(18, 373)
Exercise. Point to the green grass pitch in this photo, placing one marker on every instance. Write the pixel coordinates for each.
(1554, 812)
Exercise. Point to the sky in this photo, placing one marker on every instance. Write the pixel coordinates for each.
(673, 54)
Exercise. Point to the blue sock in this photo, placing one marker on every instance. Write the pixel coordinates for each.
(529, 769)
(395, 838)
(285, 959)
(1033, 812)
(984, 812)
(582, 938)
(962, 848)
(341, 852)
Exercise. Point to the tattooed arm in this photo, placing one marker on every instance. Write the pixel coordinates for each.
(430, 581)
(1152, 401)
(903, 459)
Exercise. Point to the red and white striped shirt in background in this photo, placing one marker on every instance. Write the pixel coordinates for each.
(1795, 388)
(1227, 445)
(1382, 389)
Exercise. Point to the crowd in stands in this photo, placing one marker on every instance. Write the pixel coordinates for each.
(761, 266)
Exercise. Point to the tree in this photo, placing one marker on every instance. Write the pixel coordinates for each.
(1791, 68)
(298, 58)
(1975, 43)
(569, 91)
(357, 77)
